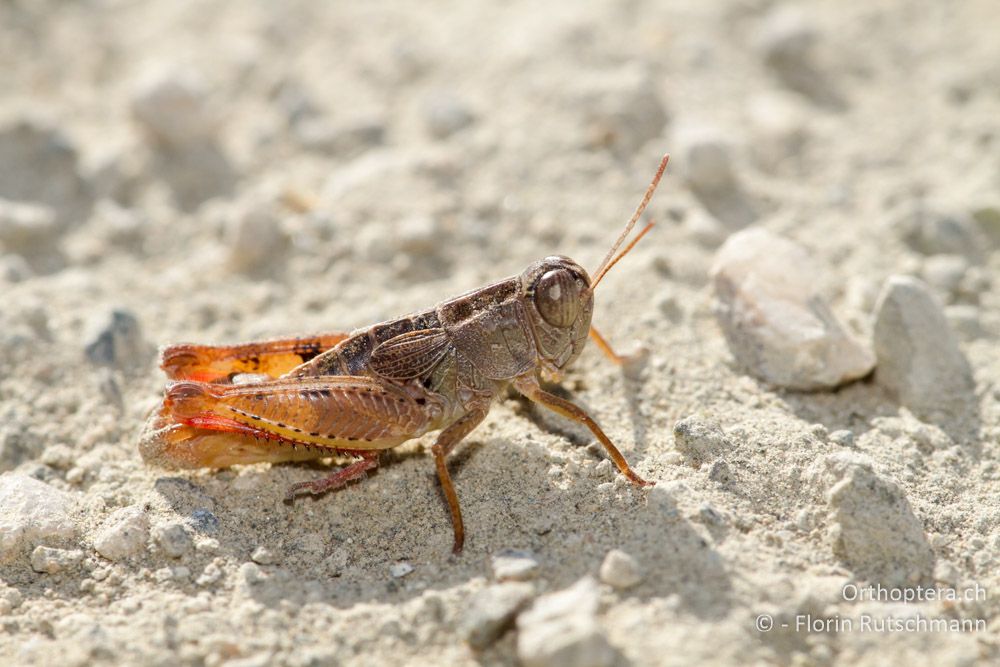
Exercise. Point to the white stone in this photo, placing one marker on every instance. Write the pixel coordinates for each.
(25, 228)
(491, 611)
(561, 630)
(620, 570)
(707, 156)
(778, 326)
(48, 560)
(919, 359)
(700, 438)
(255, 239)
(174, 539)
(171, 106)
(873, 528)
(514, 565)
(32, 512)
(400, 569)
(122, 534)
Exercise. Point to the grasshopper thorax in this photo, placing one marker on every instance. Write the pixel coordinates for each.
(560, 304)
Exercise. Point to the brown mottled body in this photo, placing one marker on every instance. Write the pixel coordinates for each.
(377, 387)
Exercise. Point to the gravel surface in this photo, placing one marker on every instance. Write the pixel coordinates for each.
(226, 171)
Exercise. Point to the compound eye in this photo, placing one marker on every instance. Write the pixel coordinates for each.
(557, 297)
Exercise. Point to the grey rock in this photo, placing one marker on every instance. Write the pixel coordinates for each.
(561, 630)
(779, 328)
(123, 534)
(620, 570)
(491, 612)
(48, 560)
(873, 527)
(514, 565)
(32, 512)
(116, 340)
(204, 521)
(174, 539)
(918, 355)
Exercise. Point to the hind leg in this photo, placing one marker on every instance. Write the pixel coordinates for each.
(338, 479)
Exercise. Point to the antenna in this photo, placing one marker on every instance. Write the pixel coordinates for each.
(608, 261)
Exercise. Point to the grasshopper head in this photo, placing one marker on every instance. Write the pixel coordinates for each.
(560, 303)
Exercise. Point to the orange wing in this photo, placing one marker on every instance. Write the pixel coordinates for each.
(211, 363)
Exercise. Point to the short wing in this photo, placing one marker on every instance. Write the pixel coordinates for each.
(211, 363)
(410, 355)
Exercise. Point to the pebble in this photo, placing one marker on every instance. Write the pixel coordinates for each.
(32, 512)
(171, 106)
(707, 158)
(873, 527)
(254, 237)
(10, 599)
(51, 561)
(445, 114)
(14, 268)
(204, 521)
(47, 166)
(115, 339)
(514, 565)
(27, 228)
(842, 437)
(264, 556)
(787, 41)
(174, 539)
(700, 438)
(778, 123)
(779, 328)
(620, 570)
(561, 630)
(622, 110)
(919, 359)
(491, 612)
(122, 534)
(933, 230)
(347, 139)
(400, 569)
(964, 320)
(945, 273)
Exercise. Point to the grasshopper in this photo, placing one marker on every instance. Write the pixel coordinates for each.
(356, 394)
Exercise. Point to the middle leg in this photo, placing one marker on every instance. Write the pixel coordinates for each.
(446, 441)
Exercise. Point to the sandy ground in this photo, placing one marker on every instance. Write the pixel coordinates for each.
(213, 172)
